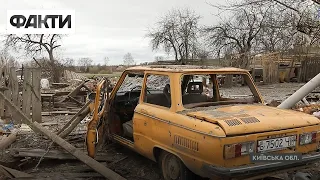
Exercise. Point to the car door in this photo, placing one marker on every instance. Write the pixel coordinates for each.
(149, 128)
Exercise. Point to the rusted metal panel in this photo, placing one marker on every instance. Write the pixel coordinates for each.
(245, 119)
(186, 142)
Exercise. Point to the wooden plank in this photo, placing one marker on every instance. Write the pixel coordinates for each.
(26, 93)
(47, 95)
(2, 89)
(7, 93)
(14, 91)
(59, 85)
(54, 154)
(74, 117)
(106, 172)
(57, 113)
(74, 123)
(36, 100)
(52, 113)
(64, 93)
(74, 92)
(75, 100)
(12, 173)
(56, 175)
(14, 86)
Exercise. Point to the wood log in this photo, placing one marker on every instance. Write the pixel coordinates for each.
(12, 173)
(106, 172)
(7, 141)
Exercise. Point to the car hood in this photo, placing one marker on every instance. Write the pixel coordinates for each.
(245, 119)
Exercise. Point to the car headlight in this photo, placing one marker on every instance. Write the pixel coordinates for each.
(239, 149)
(308, 138)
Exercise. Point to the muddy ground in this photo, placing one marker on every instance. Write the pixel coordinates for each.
(123, 161)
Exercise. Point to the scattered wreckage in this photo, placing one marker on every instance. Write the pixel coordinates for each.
(164, 115)
(187, 120)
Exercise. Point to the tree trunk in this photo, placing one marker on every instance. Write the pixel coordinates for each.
(55, 71)
(187, 50)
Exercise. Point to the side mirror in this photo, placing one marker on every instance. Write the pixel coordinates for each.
(92, 96)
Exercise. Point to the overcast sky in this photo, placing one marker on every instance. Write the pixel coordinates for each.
(111, 27)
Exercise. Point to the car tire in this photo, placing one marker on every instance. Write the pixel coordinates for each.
(173, 168)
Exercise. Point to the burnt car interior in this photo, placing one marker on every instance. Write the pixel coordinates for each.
(193, 93)
(193, 88)
(123, 105)
(126, 100)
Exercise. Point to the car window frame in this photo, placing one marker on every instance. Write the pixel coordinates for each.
(144, 86)
(253, 88)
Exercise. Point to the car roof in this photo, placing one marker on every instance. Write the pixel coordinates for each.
(185, 68)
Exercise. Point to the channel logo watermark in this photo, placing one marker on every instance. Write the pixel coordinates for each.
(40, 21)
(284, 157)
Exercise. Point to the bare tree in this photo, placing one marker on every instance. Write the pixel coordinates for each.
(106, 61)
(68, 62)
(85, 63)
(128, 59)
(176, 33)
(300, 13)
(201, 50)
(36, 44)
(238, 32)
(158, 58)
(276, 33)
(7, 59)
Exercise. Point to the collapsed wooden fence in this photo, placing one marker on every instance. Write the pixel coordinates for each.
(269, 63)
(310, 68)
(20, 101)
(23, 90)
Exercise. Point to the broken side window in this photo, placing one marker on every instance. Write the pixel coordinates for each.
(158, 90)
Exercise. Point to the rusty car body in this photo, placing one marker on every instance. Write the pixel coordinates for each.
(190, 133)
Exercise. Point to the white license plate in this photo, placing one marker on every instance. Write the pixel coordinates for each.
(276, 143)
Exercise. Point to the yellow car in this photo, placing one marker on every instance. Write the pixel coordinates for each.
(193, 124)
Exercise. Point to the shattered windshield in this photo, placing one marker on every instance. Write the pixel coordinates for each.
(134, 82)
(130, 82)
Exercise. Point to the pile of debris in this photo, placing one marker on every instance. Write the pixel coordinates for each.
(8, 133)
(30, 146)
(70, 75)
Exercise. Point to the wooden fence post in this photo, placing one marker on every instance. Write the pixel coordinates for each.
(36, 95)
(7, 93)
(14, 88)
(26, 94)
(2, 88)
